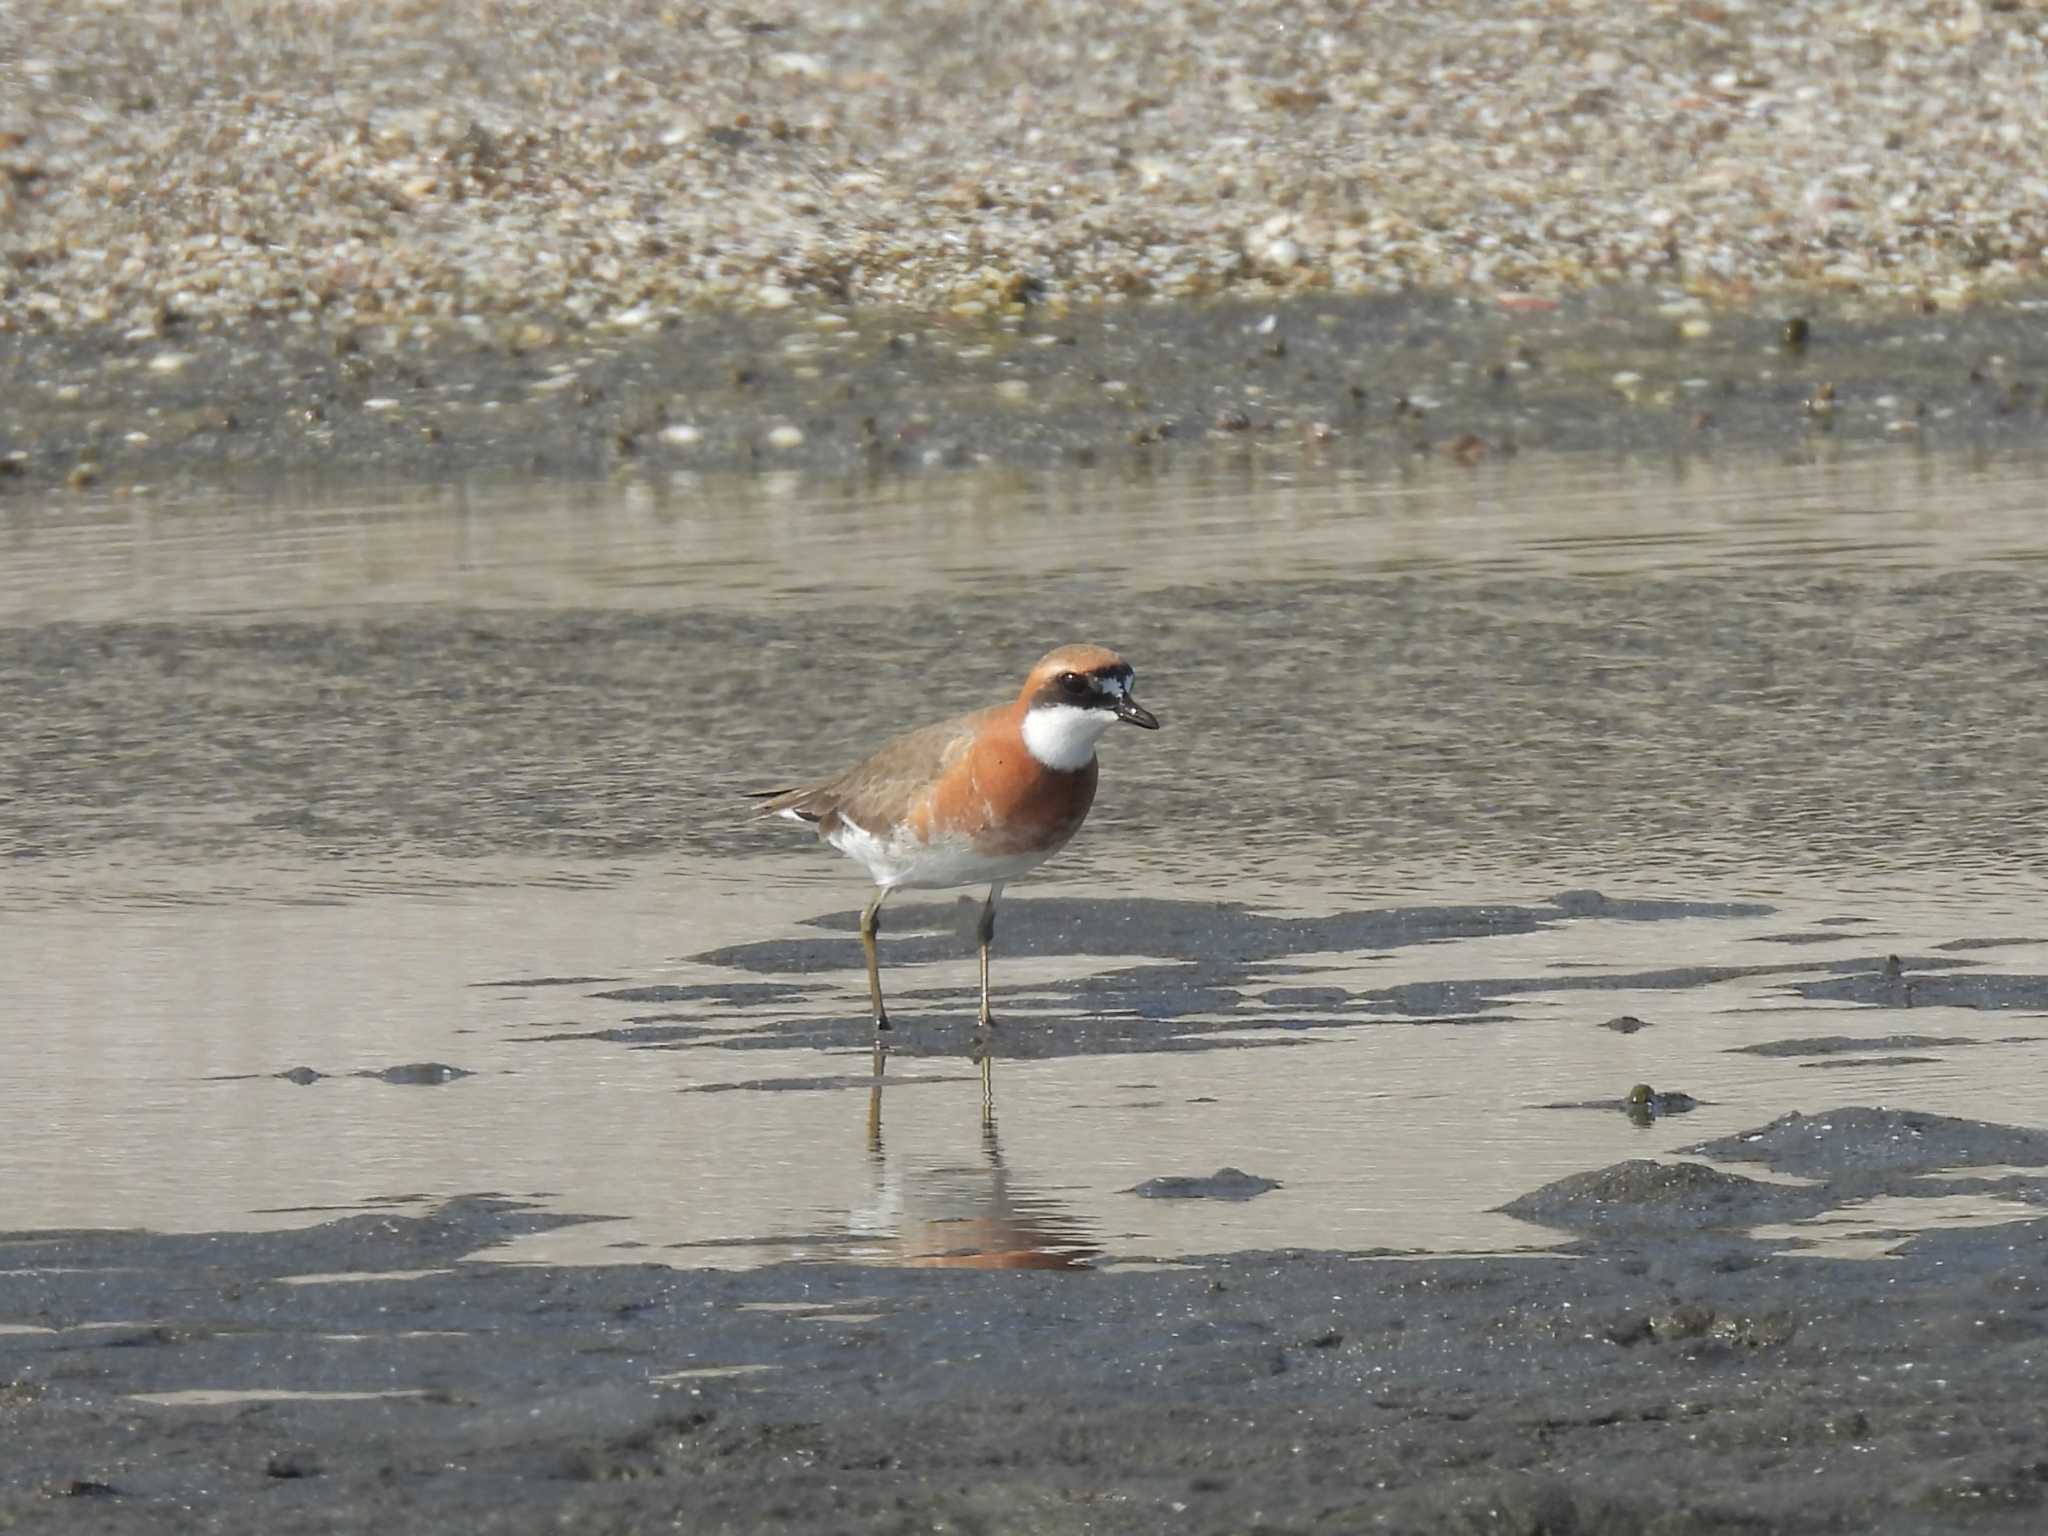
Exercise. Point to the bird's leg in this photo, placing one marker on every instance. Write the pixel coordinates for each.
(870, 925)
(985, 932)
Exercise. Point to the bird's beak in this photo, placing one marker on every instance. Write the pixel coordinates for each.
(1128, 708)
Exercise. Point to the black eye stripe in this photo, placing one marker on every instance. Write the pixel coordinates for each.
(1084, 690)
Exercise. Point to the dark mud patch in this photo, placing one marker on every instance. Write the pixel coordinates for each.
(550, 981)
(1644, 1196)
(1642, 1104)
(1858, 1142)
(1436, 998)
(1838, 1045)
(1867, 1061)
(735, 994)
(1223, 1184)
(1806, 938)
(646, 1037)
(411, 1074)
(418, 1074)
(1916, 986)
(1844, 1158)
(1019, 1037)
(1649, 1384)
(1305, 997)
(830, 1082)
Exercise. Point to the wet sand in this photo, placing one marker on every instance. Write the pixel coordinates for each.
(1663, 1374)
(875, 397)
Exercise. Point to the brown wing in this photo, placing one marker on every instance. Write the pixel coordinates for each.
(879, 790)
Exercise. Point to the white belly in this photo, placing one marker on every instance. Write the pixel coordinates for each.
(908, 863)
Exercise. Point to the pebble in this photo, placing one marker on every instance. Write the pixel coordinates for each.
(1717, 148)
(785, 436)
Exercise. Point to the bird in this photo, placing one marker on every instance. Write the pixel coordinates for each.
(978, 799)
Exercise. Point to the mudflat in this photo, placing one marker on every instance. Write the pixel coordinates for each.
(1662, 1373)
(1568, 479)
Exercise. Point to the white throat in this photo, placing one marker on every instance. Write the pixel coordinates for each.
(1063, 737)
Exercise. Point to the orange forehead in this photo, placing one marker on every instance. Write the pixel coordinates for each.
(1074, 658)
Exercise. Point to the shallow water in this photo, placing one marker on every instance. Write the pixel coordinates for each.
(447, 781)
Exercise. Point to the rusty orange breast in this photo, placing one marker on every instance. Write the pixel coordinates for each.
(1003, 799)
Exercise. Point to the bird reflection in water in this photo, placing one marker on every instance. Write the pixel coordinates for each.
(964, 1216)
